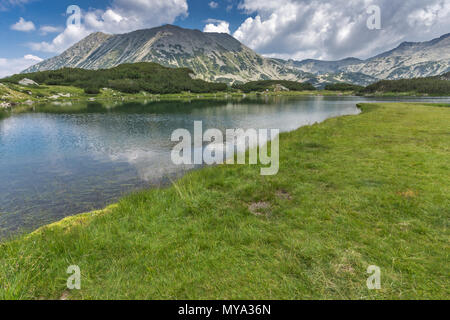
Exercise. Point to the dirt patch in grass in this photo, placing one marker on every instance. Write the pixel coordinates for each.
(345, 268)
(284, 195)
(260, 208)
(408, 194)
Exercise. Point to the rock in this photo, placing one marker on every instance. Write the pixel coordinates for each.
(64, 95)
(28, 82)
(29, 102)
(5, 105)
(54, 97)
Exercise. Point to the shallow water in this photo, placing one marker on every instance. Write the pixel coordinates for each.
(59, 160)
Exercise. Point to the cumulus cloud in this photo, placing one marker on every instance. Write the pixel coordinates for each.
(325, 29)
(44, 30)
(12, 66)
(23, 25)
(122, 16)
(218, 26)
(68, 37)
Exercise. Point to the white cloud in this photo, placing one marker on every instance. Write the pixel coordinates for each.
(218, 26)
(44, 30)
(68, 37)
(122, 16)
(7, 4)
(213, 5)
(23, 25)
(12, 66)
(430, 15)
(129, 15)
(325, 29)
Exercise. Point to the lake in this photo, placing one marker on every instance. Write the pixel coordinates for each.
(63, 159)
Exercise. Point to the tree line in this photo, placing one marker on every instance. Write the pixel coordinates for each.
(431, 85)
(127, 78)
(264, 85)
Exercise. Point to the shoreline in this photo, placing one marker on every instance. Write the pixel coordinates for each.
(16, 96)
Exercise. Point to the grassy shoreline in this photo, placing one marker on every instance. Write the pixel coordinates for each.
(17, 95)
(353, 191)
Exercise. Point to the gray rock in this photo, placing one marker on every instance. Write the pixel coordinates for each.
(28, 82)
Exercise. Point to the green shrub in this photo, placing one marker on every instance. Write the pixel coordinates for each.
(128, 78)
(91, 90)
(343, 87)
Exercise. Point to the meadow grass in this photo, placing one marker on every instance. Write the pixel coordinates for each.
(354, 191)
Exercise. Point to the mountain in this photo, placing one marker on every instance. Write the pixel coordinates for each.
(445, 76)
(408, 60)
(212, 56)
(322, 67)
(221, 58)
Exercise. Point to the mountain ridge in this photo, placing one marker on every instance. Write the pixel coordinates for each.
(221, 58)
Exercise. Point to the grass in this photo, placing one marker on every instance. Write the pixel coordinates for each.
(354, 191)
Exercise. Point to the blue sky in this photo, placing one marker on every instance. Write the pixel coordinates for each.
(53, 13)
(31, 30)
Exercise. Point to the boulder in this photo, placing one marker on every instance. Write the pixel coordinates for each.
(28, 82)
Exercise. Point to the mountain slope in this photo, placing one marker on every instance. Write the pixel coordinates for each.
(73, 57)
(445, 76)
(408, 60)
(220, 57)
(212, 56)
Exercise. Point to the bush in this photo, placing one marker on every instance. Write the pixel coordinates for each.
(343, 87)
(91, 90)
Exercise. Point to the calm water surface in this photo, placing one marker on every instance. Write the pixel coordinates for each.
(60, 160)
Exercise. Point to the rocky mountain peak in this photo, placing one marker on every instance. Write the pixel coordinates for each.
(220, 57)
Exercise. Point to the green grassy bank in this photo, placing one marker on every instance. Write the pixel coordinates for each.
(21, 95)
(354, 191)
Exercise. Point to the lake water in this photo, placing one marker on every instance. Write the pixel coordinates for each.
(60, 160)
